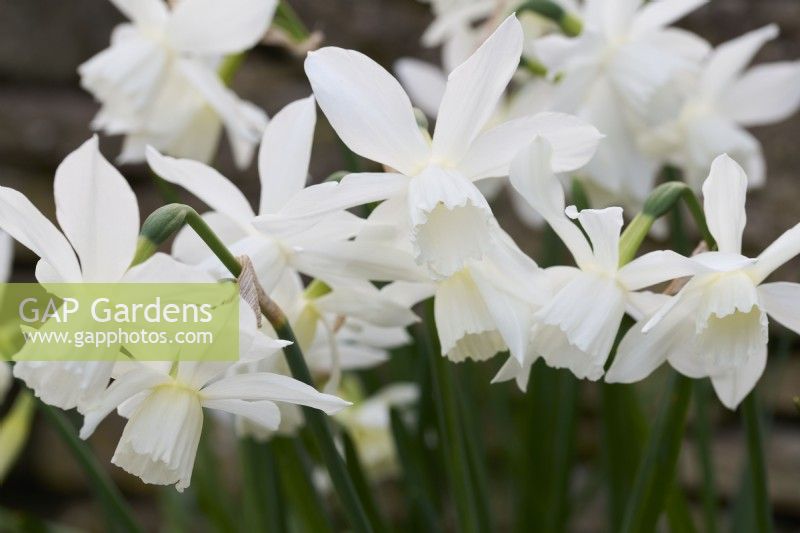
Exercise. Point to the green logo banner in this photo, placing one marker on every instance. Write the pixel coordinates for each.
(120, 321)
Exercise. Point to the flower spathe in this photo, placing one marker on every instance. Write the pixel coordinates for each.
(158, 81)
(372, 114)
(716, 326)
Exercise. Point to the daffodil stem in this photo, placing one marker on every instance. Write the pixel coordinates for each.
(262, 498)
(318, 424)
(703, 437)
(755, 453)
(118, 511)
(656, 472)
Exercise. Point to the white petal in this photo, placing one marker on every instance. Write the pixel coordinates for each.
(639, 353)
(474, 89)
(273, 387)
(213, 27)
(532, 176)
(285, 152)
(776, 254)
(64, 384)
(465, 326)
(264, 413)
(603, 226)
(656, 267)
(204, 182)
(724, 195)
(361, 260)
(6, 256)
(512, 369)
(512, 316)
(658, 14)
(573, 143)
(352, 191)
(20, 219)
(159, 442)
(373, 308)
(126, 386)
(443, 207)
(425, 83)
(244, 121)
(730, 58)
(368, 108)
(588, 310)
(764, 95)
(781, 301)
(148, 14)
(732, 387)
(98, 212)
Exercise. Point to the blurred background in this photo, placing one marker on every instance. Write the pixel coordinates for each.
(44, 115)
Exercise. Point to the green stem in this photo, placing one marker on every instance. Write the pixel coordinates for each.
(656, 472)
(318, 423)
(114, 504)
(569, 24)
(262, 498)
(758, 472)
(356, 470)
(703, 437)
(295, 477)
(449, 428)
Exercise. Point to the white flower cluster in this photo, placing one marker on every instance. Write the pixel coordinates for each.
(640, 95)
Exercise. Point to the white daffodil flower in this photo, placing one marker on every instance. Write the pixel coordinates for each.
(158, 82)
(717, 324)
(165, 413)
(716, 105)
(610, 74)
(372, 114)
(368, 423)
(294, 229)
(487, 307)
(576, 328)
(99, 216)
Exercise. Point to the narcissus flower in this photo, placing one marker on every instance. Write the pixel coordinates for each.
(717, 324)
(576, 328)
(99, 216)
(165, 413)
(435, 177)
(719, 102)
(610, 74)
(295, 229)
(158, 82)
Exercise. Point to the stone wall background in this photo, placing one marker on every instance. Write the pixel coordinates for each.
(44, 115)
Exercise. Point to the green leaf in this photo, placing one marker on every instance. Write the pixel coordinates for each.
(14, 431)
(656, 473)
(361, 482)
(759, 487)
(120, 517)
(301, 497)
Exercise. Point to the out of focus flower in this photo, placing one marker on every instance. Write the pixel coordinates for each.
(373, 116)
(368, 423)
(295, 229)
(708, 115)
(717, 324)
(576, 328)
(158, 82)
(610, 74)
